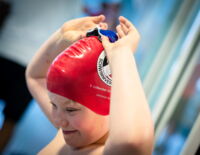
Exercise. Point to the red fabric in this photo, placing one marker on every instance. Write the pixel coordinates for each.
(73, 74)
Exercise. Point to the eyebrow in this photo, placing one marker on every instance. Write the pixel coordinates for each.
(70, 102)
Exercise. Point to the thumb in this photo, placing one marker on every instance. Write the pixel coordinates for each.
(105, 41)
(98, 19)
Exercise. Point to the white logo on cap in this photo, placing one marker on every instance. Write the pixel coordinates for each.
(103, 69)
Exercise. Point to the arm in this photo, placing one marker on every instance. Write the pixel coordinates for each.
(61, 39)
(38, 67)
(131, 126)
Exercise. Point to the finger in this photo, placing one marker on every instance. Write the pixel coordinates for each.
(103, 26)
(83, 35)
(126, 22)
(119, 31)
(124, 28)
(128, 25)
(105, 41)
(98, 19)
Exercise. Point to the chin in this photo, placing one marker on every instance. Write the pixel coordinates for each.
(81, 142)
(77, 146)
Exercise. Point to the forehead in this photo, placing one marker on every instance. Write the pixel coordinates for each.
(58, 99)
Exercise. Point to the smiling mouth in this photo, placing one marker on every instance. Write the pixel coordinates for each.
(69, 132)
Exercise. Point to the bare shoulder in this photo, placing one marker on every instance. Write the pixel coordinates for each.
(58, 146)
(55, 146)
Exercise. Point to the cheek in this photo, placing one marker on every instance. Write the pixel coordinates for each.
(92, 126)
(53, 115)
(76, 122)
(80, 123)
(53, 112)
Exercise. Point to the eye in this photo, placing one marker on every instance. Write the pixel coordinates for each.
(53, 105)
(71, 109)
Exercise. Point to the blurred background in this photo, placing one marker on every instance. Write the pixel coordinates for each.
(168, 59)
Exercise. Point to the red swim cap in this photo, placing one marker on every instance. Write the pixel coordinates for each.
(81, 73)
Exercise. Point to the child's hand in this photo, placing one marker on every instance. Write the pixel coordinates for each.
(128, 39)
(74, 30)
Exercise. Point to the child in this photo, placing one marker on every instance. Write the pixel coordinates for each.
(128, 129)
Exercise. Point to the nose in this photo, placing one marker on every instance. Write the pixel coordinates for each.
(60, 120)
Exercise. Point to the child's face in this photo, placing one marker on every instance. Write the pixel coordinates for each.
(80, 125)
